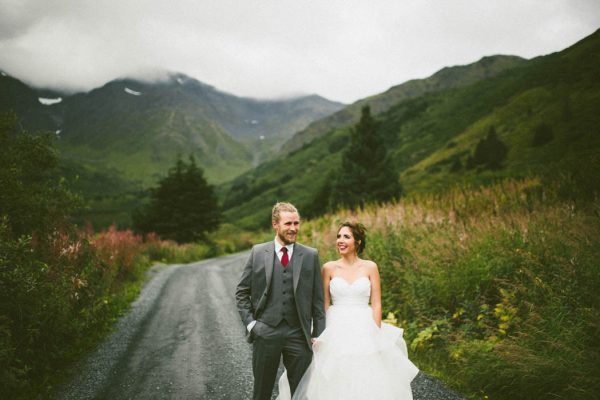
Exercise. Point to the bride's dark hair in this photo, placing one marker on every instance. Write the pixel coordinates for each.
(359, 232)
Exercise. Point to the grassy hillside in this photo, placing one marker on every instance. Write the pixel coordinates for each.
(557, 94)
(496, 288)
(431, 137)
(446, 78)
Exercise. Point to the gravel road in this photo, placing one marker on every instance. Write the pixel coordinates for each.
(183, 339)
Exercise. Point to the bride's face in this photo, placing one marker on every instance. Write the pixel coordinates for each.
(345, 241)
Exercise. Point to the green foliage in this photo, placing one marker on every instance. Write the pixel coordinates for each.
(62, 289)
(59, 292)
(183, 207)
(542, 134)
(31, 197)
(456, 165)
(40, 296)
(320, 203)
(366, 174)
(496, 287)
(227, 239)
(489, 153)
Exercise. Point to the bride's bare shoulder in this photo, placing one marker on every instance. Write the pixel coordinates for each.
(330, 265)
(369, 265)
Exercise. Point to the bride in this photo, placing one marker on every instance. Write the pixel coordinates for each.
(357, 356)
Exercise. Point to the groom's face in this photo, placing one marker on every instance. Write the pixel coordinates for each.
(287, 227)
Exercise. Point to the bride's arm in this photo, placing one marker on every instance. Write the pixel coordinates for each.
(326, 272)
(375, 294)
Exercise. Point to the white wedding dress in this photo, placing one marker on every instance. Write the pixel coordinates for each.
(354, 359)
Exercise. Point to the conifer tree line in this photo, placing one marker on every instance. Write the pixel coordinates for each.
(366, 173)
(183, 207)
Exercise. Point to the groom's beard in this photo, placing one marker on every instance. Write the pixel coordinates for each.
(287, 240)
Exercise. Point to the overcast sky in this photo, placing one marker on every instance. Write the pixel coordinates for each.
(341, 49)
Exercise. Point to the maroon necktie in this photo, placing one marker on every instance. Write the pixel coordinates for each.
(284, 258)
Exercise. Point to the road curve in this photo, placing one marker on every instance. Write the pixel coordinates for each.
(183, 339)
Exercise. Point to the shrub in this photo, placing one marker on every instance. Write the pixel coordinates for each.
(118, 252)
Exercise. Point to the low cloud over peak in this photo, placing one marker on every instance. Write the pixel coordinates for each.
(339, 49)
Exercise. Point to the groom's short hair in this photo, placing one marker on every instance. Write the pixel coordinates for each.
(282, 206)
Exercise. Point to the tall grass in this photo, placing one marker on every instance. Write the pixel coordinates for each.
(496, 287)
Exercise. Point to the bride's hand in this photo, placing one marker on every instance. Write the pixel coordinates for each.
(315, 344)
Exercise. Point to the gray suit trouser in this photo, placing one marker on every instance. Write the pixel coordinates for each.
(269, 345)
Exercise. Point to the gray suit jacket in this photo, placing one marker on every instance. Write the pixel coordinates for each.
(254, 287)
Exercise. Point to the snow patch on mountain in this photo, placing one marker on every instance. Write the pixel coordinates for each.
(133, 92)
(49, 102)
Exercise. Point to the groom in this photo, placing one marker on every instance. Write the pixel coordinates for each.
(279, 297)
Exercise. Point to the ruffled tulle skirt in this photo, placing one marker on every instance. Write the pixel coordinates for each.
(355, 359)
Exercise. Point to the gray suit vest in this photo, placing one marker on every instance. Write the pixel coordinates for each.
(281, 304)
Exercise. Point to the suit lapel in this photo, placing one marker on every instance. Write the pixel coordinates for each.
(297, 265)
(269, 254)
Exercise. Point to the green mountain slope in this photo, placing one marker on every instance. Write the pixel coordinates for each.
(558, 94)
(19, 98)
(138, 128)
(119, 139)
(446, 78)
(431, 137)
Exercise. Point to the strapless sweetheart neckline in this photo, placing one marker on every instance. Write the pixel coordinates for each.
(353, 282)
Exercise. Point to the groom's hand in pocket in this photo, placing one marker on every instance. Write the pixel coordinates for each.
(250, 331)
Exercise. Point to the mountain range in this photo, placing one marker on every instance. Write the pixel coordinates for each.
(123, 136)
(543, 112)
(138, 128)
(446, 78)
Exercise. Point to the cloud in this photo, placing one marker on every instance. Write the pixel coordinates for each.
(343, 50)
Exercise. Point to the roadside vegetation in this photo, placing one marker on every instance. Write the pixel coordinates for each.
(62, 287)
(495, 287)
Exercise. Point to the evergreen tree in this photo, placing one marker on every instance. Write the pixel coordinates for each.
(542, 134)
(33, 198)
(489, 152)
(183, 207)
(456, 165)
(319, 203)
(366, 174)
